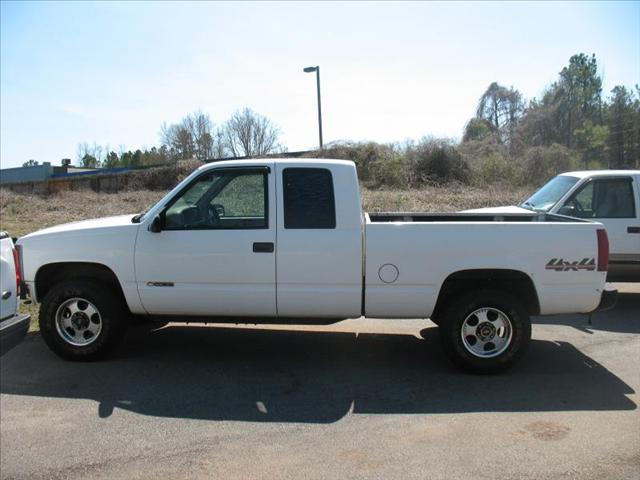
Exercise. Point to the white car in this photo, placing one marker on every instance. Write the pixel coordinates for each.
(611, 197)
(286, 241)
(13, 325)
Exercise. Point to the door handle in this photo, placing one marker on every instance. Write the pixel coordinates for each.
(633, 229)
(263, 247)
(6, 294)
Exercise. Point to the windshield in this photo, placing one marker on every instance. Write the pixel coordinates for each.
(550, 193)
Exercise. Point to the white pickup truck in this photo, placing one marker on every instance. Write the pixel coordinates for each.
(611, 197)
(286, 241)
(13, 325)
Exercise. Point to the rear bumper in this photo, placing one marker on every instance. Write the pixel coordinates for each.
(12, 331)
(608, 299)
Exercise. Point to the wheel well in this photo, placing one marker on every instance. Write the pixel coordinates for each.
(519, 284)
(48, 275)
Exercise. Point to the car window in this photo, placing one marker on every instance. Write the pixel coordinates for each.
(581, 203)
(585, 197)
(308, 198)
(613, 198)
(221, 200)
(243, 196)
(547, 196)
(602, 198)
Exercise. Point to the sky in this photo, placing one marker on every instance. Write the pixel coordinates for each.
(112, 73)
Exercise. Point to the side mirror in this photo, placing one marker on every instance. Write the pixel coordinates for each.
(568, 210)
(156, 224)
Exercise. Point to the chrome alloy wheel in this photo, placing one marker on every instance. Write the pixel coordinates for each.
(78, 322)
(486, 332)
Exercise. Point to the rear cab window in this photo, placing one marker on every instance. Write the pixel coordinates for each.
(309, 200)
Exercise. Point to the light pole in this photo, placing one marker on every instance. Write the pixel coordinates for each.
(317, 70)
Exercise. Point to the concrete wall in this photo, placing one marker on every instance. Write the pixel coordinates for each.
(38, 173)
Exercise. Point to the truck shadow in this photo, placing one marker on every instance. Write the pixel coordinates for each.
(301, 376)
(624, 318)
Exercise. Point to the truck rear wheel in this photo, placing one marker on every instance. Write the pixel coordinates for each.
(485, 331)
(81, 319)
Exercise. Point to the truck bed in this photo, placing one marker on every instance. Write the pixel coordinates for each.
(408, 257)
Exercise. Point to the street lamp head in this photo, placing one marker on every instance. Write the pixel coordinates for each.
(310, 69)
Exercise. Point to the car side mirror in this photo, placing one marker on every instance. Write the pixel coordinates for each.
(568, 210)
(156, 224)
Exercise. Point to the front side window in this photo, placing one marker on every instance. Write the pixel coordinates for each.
(604, 198)
(581, 203)
(308, 198)
(232, 199)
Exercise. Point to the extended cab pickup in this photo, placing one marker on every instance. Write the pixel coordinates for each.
(13, 325)
(611, 197)
(286, 241)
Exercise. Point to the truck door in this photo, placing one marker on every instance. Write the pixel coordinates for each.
(319, 253)
(215, 251)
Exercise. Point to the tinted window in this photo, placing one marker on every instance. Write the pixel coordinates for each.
(308, 198)
(613, 198)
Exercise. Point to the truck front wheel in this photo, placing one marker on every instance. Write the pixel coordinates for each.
(485, 331)
(81, 319)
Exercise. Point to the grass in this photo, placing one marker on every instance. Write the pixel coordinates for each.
(23, 214)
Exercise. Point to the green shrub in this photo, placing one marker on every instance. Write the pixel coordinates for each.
(478, 129)
(389, 172)
(495, 168)
(539, 164)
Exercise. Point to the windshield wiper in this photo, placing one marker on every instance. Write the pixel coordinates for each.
(137, 218)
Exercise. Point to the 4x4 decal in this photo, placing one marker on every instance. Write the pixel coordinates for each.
(560, 265)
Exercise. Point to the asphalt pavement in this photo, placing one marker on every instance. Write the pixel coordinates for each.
(359, 399)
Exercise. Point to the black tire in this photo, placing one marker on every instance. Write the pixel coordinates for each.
(460, 351)
(112, 311)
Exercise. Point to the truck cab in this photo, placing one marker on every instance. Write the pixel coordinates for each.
(224, 241)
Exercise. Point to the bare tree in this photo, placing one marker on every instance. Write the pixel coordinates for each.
(193, 136)
(178, 140)
(219, 150)
(248, 133)
(202, 129)
(89, 156)
(83, 149)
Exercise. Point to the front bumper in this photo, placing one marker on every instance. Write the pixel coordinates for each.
(608, 299)
(12, 331)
